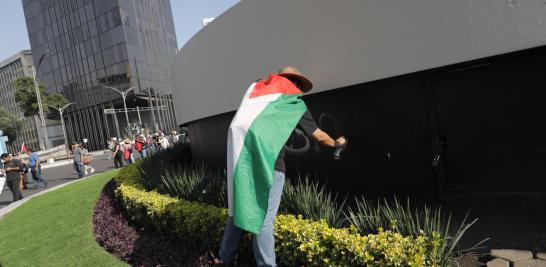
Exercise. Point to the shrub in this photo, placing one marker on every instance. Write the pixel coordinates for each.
(299, 241)
(408, 221)
(304, 242)
(313, 201)
(199, 224)
(139, 248)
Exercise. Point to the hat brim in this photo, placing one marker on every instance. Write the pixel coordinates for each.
(306, 84)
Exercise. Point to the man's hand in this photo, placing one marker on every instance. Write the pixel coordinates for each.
(325, 139)
(340, 141)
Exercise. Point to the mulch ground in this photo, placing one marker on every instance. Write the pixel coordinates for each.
(136, 246)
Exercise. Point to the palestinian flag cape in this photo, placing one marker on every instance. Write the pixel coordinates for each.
(268, 114)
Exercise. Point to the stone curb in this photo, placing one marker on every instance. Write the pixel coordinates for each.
(9, 208)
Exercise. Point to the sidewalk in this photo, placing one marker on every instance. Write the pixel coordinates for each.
(67, 161)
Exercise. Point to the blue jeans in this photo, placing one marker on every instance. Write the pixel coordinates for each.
(78, 166)
(37, 176)
(263, 243)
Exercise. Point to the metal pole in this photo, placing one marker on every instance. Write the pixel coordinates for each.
(138, 112)
(43, 128)
(123, 95)
(61, 110)
(64, 131)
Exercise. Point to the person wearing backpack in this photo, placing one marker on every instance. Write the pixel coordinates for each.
(117, 153)
(87, 159)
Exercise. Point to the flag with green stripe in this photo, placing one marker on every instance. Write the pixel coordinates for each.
(269, 112)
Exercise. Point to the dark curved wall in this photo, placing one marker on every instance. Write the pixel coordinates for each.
(485, 120)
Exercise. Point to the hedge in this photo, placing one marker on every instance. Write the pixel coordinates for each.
(299, 242)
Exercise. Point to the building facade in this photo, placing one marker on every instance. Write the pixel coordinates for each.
(90, 44)
(18, 65)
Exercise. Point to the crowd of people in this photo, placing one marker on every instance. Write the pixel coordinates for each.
(15, 169)
(140, 146)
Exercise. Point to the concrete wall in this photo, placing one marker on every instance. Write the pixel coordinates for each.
(341, 43)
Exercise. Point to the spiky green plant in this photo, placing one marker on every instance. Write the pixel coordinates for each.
(367, 217)
(195, 182)
(313, 201)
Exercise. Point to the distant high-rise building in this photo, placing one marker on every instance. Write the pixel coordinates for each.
(207, 21)
(18, 65)
(95, 43)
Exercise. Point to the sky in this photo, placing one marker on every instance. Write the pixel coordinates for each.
(187, 14)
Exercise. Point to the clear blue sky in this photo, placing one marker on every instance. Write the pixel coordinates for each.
(187, 21)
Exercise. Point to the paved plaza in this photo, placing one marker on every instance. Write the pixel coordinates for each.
(59, 175)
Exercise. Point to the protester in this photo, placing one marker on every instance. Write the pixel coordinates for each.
(141, 146)
(174, 138)
(117, 153)
(110, 147)
(13, 168)
(36, 169)
(78, 157)
(255, 189)
(163, 142)
(151, 144)
(157, 141)
(87, 159)
(128, 151)
(25, 170)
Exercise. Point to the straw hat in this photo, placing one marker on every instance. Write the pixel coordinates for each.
(294, 74)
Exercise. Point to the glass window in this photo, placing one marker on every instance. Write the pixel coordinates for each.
(91, 62)
(85, 31)
(103, 6)
(36, 23)
(83, 18)
(98, 60)
(112, 37)
(32, 9)
(89, 11)
(55, 28)
(37, 37)
(93, 31)
(88, 47)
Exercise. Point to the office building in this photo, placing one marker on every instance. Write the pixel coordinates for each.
(90, 44)
(18, 65)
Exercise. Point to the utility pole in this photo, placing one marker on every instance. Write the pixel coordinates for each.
(43, 127)
(123, 96)
(61, 110)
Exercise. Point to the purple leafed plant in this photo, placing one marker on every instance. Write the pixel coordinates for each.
(135, 246)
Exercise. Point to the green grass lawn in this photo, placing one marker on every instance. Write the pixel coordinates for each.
(55, 229)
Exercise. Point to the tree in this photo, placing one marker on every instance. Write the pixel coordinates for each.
(25, 96)
(9, 124)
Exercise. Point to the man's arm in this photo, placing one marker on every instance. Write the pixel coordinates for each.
(323, 138)
(18, 167)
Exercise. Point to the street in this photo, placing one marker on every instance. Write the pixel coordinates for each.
(58, 175)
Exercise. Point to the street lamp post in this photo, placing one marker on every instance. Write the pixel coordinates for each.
(61, 110)
(35, 70)
(123, 96)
